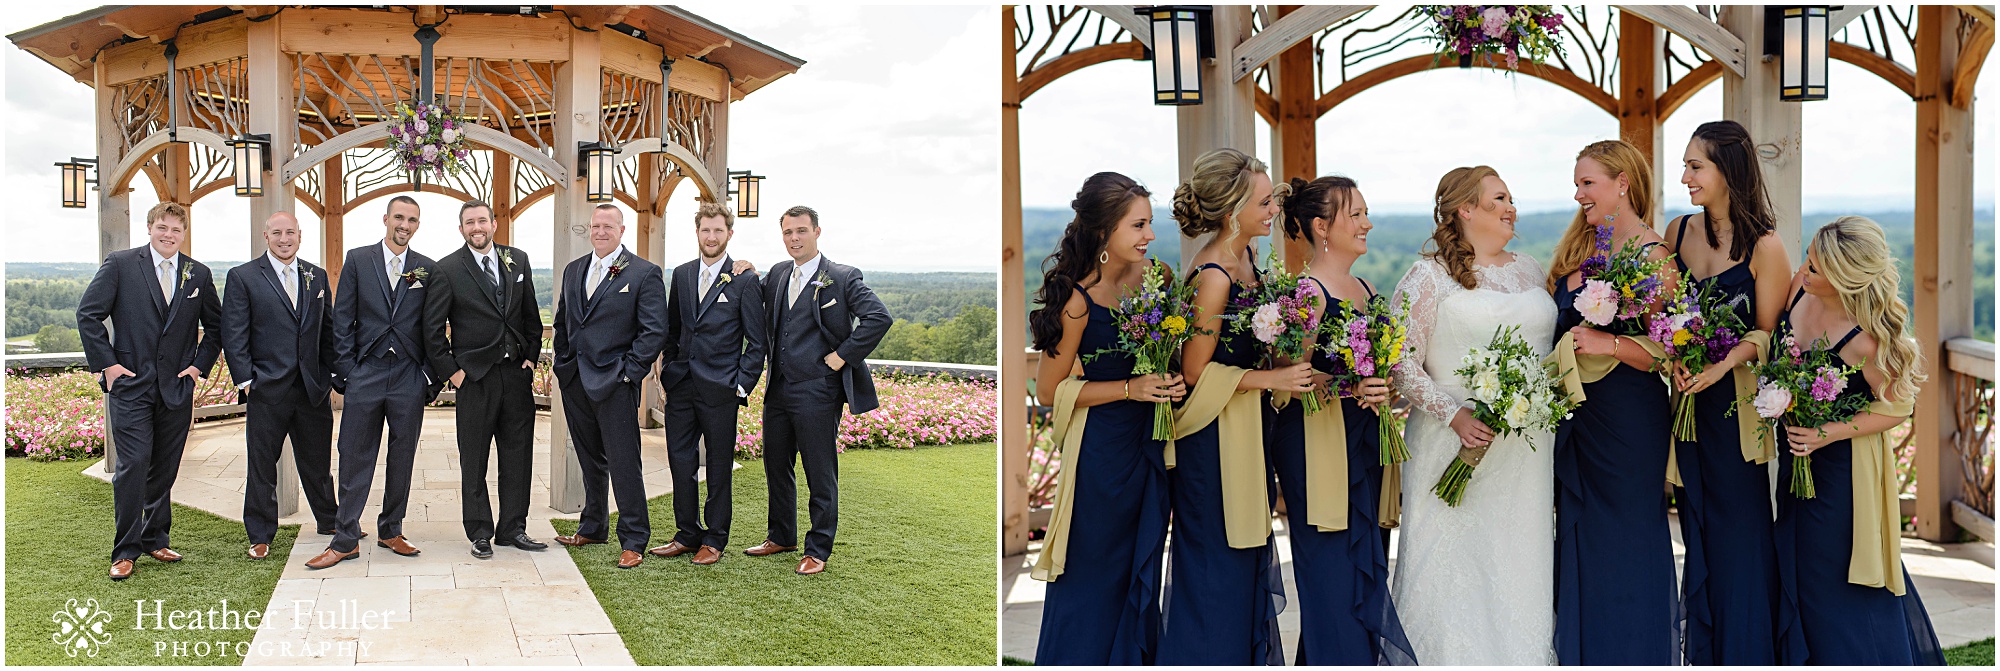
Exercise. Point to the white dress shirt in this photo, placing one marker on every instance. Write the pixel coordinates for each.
(802, 275)
(710, 271)
(392, 262)
(166, 289)
(600, 267)
(499, 273)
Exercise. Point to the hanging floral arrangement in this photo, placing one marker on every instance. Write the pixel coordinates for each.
(1471, 31)
(428, 138)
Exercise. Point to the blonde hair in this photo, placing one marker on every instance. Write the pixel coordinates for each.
(715, 209)
(1218, 190)
(1854, 257)
(1448, 244)
(169, 208)
(1579, 241)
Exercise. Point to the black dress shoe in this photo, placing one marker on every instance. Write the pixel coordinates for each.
(523, 542)
(482, 549)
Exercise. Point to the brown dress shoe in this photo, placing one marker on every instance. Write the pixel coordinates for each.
(166, 555)
(122, 569)
(707, 555)
(810, 565)
(672, 549)
(260, 551)
(629, 559)
(398, 545)
(768, 548)
(578, 541)
(330, 557)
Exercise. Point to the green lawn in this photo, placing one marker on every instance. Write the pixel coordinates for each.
(59, 532)
(910, 581)
(1971, 654)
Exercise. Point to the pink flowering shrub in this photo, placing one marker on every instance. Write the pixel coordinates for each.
(54, 417)
(915, 410)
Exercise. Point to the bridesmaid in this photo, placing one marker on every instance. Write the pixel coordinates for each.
(1839, 603)
(1345, 615)
(1224, 590)
(1616, 600)
(1102, 606)
(1730, 583)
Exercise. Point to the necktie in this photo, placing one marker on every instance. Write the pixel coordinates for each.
(798, 284)
(487, 261)
(596, 275)
(707, 280)
(167, 280)
(395, 270)
(292, 287)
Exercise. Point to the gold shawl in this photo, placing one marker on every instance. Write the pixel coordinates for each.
(1326, 463)
(1878, 516)
(1069, 422)
(1754, 449)
(1246, 503)
(1580, 369)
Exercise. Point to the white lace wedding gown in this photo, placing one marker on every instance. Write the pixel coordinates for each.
(1475, 584)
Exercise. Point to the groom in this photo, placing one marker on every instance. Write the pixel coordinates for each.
(823, 322)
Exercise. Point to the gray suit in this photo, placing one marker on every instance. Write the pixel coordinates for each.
(605, 346)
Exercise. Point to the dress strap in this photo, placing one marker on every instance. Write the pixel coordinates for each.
(1795, 299)
(1843, 341)
(1086, 295)
(1678, 237)
(1369, 287)
(1217, 266)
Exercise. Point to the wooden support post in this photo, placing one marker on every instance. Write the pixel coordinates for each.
(1228, 118)
(1943, 261)
(272, 111)
(503, 198)
(1014, 439)
(1296, 146)
(1641, 60)
(333, 218)
(114, 211)
(577, 99)
(174, 163)
(1774, 125)
(651, 245)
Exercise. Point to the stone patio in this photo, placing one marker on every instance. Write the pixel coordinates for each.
(442, 607)
(1956, 582)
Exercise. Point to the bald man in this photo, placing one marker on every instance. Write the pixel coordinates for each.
(279, 345)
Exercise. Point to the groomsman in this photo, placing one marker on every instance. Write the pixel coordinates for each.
(276, 335)
(167, 333)
(485, 294)
(378, 334)
(610, 324)
(824, 322)
(714, 355)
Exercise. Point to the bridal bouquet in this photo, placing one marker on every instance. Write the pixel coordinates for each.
(1697, 331)
(1512, 392)
(1802, 387)
(1365, 342)
(1281, 314)
(1154, 320)
(1619, 288)
(1467, 30)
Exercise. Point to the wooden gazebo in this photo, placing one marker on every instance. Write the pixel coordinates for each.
(174, 84)
(1290, 65)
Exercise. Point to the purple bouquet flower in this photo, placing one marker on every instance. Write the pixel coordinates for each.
(1154, 320)
(1801, 386)
(1474, 30)
(422, 146)
(1367, 341)
(1696, 330)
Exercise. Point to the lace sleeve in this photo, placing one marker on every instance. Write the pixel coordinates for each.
(1425, 285)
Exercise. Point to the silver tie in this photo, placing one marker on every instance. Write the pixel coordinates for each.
(707, 280)
(292, 287)
(596, 275)
(798, 284)
(167, 280)
(395, 270)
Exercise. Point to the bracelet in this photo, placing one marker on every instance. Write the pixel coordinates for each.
(1128, 389)
(1614, 345)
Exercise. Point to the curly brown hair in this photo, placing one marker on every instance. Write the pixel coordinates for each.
(1448, 244)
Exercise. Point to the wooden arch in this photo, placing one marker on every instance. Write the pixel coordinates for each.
(1890, 71)
(1415, 64)
(480, 135)
(1070, 62)
(140, 154)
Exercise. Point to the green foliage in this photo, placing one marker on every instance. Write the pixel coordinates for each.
(967, 338)
(58, 338)
(1978, 653)
(36, 303)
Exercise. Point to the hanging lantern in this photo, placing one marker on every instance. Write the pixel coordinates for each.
(76, 181)
(1798, 36)
(1180, 40)
(745, 186)
(598, 164)
(252, 153)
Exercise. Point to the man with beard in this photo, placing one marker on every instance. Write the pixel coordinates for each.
(168, 332)
(484, 294)
(378, 333)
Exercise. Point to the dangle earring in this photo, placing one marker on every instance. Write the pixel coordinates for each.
(1104, 257)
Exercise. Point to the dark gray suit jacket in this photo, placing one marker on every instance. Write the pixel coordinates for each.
(613, 337)
(715, 341)
(848, 316)
(267, 340)
(371, 317)
(155, 339)
(461, 298)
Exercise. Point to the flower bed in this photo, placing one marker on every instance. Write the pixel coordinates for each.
(54, 417)
(915, 410)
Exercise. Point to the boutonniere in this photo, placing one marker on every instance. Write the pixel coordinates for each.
(418, 275)
(306, 278)
(507, 259)
(821, 282)
(616, 268)
(187, 270)
(722, 278)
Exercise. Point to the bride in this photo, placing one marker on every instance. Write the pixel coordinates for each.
(1475, 583)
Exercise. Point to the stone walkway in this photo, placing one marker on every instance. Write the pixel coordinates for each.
(1956, 582)
(442, 607)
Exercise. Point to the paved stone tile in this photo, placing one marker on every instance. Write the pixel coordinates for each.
(556, 609)
(601, 650)
(546, 646)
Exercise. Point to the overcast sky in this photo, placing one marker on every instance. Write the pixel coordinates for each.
(889, 131)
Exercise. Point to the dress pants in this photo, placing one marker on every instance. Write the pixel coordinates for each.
(381, 388)
(691, 419)
(149, 438)
(496, 413)
(802, 423)
(277, 411)
(606, 434)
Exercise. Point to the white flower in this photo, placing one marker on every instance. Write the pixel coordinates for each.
(450, 135)
(1772, 401)
(1517, 413)
(422, 126)
(1266, 324)
(1486, 386)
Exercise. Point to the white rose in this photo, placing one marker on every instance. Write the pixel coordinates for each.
(1486, 386)
(1517, 413)
(450, 135)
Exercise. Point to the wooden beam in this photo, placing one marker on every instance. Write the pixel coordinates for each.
(1293, 28)
(702, 79)
(1123, 15)
(1077, 60)
(273, 111)
(1943, 265)
(1720, 45)
(336, 31)
(503, 198)
(1890, 71)
(1297, 148)
(333, 219)
(1775, 126)
(1971, 58)
(1689, 84)
(1640, 67)
(577, 95)
(1228, 118)
(153, 23)
(1844, 15)
(629, 55)
(1415, 64)
(1014, 439)
(199, 44)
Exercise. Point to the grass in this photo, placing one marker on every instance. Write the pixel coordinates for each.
(1971, 654)
(910, 580)
(59, 532)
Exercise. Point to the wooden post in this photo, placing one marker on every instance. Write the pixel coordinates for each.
(1943, 261)
(1014, 438)
(1774, 125)
(1227, 118)
(1641, 59)
(333, 219)
(174, 165)
(1296, 146)
(577, 113)
(272, 111)
(503, 198)
(651, 245)
(114, 212)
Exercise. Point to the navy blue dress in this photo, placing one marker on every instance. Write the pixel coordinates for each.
(1616, 598)
(1730, 583)
(1822, 618)
(1346, 617)
(1105, 607)
(1222, 603)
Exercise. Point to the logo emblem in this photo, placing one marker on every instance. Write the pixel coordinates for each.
(80, 628)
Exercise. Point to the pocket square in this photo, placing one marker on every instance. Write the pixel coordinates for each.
(417, 285)
(722, 298)
(322, 293)
(519, 278)
(830, 302)
(196, 292)
(626, 290)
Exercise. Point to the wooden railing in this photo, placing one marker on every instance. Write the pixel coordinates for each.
(1970, 363)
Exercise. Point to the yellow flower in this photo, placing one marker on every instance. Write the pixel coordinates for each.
(1682, 337)
(1173, 324)
(1626, 290)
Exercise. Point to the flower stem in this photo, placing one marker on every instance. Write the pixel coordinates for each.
(1451, 487)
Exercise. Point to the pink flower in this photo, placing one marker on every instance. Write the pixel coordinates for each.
(1772, 401)
(1266, 324)
(1598, 302)
(1494, 23)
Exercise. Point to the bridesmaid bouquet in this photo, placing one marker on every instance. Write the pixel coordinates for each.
(1618, 289)
(1365, 342)
(1281, 314)
(1802, 387)
(1512, 392)
(1696, 331)
(1154, 320)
